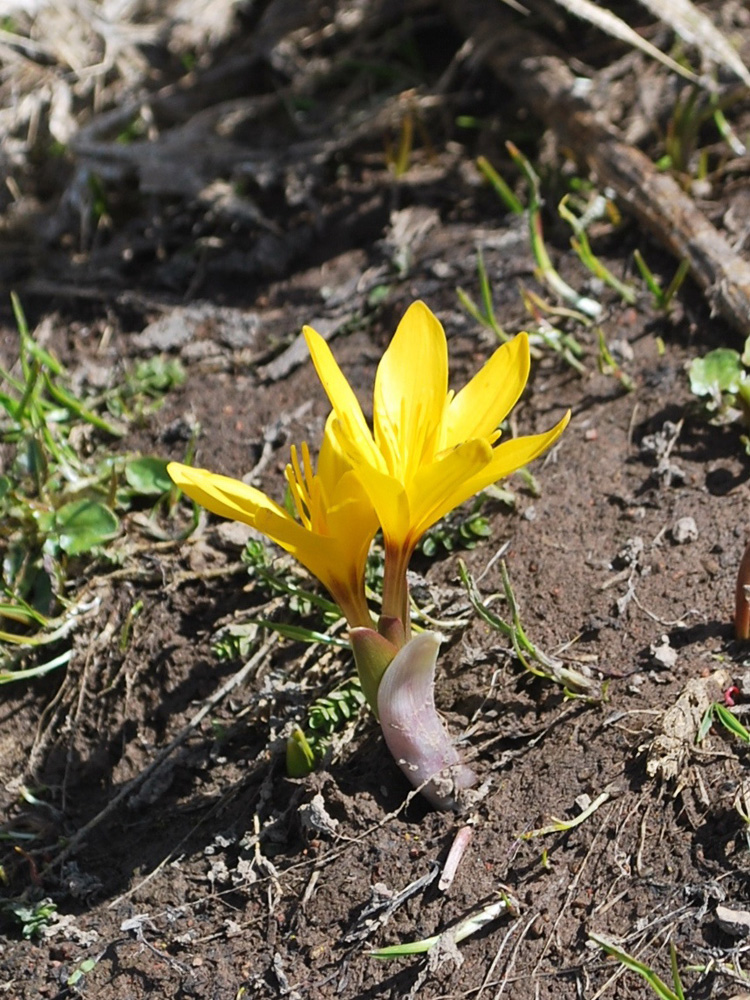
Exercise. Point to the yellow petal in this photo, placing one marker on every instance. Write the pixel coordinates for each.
(344, 402)
(479, 408)
(440, 487)
(512, 455)
(390, 501)
(221, 494)
(334, 561)
(410, 391)
(350, 515)
(332, 462)
(316, 552)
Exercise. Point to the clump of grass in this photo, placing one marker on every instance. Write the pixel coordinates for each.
(577, 309)
(63, 491)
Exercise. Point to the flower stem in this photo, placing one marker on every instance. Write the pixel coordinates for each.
(395, 587)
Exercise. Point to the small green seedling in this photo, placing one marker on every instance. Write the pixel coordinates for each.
(531, 658)
(80, 971)
(720, 713)
(722, 379)
(30, 917)
(657, 984)
(463, 930)
(327, 716)
(463, 529)
(563, 825)
(662, 298)
(547, 273)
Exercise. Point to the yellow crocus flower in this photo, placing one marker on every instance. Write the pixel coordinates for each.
(335, 521)
(430, 449)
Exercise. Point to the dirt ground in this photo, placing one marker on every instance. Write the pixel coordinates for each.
(182, 860)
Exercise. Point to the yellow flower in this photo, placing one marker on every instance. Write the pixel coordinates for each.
(336, 521)
(430, 449)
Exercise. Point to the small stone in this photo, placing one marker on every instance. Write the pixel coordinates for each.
(663, 654)
(734, 922)
(684, 530)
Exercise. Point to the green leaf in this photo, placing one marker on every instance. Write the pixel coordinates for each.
(719, 371)
(730, 722)
(147, 475)
(84, 524)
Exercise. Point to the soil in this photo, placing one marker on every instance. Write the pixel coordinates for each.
(144, 786)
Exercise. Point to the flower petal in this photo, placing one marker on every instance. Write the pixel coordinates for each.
(478, 409)
(440, 487)
(328, 558)
(220, 494)
(351, 515)
(332, 463)
(410, 391)
(512, 455)
(343, 400)
(390, 501)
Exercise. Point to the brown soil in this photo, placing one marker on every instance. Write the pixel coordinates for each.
(209, 879)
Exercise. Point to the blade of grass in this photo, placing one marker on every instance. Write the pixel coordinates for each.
(8, 676)
(298, 633)
(582, 247)
(465, 929)
(502, 190)
(27, 341)
(563, 825)
(657, 985)
(547, 272)
(608, 22)
(69, 401)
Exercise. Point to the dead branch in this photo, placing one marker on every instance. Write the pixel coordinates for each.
(547, 86)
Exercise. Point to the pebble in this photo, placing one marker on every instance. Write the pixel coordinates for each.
(684, 530)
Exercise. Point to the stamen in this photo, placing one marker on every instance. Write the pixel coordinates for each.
(298, 488)
(297, 498)
(307, 466)
(298, 472)
(318, 507)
